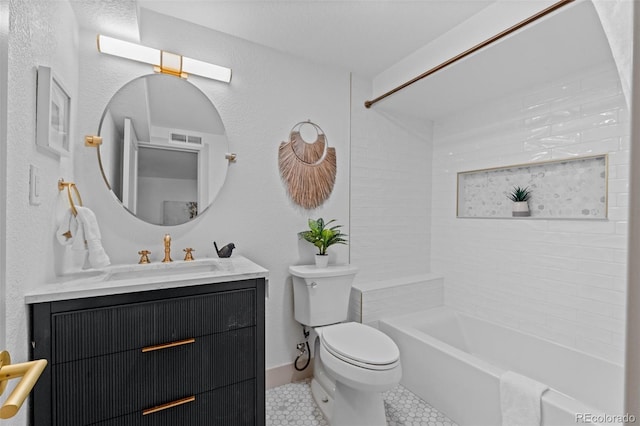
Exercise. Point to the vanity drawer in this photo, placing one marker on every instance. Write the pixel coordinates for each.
(204, 341)
(98, 388)
(88, 333)
(228, 406)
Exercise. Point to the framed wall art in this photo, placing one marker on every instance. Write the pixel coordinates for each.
(53, 113)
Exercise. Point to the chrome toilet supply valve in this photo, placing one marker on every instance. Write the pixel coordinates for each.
(144, 256)
(189, 256)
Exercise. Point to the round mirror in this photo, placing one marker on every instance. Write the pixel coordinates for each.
(163, 151)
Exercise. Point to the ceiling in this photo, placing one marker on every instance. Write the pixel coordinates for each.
(363, 36)
(369, 36)
(568, 41)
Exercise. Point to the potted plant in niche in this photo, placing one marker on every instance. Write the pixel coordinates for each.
(322, 236)
(520, 197)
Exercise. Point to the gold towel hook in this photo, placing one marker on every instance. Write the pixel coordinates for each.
(61, 185)
(29, 373)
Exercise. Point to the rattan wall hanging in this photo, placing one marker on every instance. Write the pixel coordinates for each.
(308, 169)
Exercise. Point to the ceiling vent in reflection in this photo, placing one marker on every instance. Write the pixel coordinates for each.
(184, 138)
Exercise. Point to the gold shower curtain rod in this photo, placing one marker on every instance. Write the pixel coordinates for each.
(475, 48)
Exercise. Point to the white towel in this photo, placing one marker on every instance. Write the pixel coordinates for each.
(88, 233)
(520, 400)
(71, 233)
(68, 226)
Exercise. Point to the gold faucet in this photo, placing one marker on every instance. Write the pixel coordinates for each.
(189, 256)
(144, 256)
(167, 249)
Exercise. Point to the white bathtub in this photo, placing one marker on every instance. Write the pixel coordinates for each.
(454, 362)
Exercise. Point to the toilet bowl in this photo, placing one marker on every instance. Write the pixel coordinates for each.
(361, 356)
(362, 362)
(354, 363)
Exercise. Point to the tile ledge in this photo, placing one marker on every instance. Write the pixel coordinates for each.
(396, 282)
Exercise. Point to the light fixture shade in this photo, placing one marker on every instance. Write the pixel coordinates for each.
(125, 49)
(205, 69)
(166, 62)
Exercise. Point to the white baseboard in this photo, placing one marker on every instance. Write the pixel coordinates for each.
(283, 374)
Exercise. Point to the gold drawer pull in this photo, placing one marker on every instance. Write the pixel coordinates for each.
(168, 405)
(168, 345)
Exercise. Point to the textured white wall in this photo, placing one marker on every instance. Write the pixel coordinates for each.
(4, 72)
(269, 93)
(390, 191)
(563, 280)
(42, 33)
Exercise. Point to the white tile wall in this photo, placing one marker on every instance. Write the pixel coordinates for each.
(390, 192)
(559, 279)
(374, 300)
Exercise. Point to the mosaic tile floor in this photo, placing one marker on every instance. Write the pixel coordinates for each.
(293, 405)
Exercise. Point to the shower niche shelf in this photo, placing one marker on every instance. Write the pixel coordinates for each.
(574, 188)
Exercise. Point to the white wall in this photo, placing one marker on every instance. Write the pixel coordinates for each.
(269, 93)
(153, 191)
(4, 78)
(390, 191)
(559, 279)
(41, 33)
(632, 366)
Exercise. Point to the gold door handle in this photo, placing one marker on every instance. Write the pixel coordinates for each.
(168, 405)
(28, 372)
(168, 345)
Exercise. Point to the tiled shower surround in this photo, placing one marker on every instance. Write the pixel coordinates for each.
(562, 280)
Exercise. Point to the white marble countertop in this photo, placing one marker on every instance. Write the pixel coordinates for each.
(120, 279)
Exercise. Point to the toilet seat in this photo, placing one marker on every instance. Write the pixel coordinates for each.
(360, 345)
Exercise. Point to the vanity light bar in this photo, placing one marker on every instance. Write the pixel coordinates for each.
(125, 49)
(165, 62)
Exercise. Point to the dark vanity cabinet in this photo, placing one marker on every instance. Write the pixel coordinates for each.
(179, 356)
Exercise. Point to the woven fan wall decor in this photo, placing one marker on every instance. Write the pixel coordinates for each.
(307, 169)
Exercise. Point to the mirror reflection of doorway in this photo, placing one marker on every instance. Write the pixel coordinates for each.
(167, 113)
(167, 187)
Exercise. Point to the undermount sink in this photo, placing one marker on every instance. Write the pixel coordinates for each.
(91, 275)
(150, 271)
(134, 277)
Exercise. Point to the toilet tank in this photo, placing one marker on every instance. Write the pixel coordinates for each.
(321, 295)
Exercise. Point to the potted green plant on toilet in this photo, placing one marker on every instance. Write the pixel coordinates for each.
(520, 197)
(322, 236)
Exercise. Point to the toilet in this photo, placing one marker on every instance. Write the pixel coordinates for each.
(354, 363)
